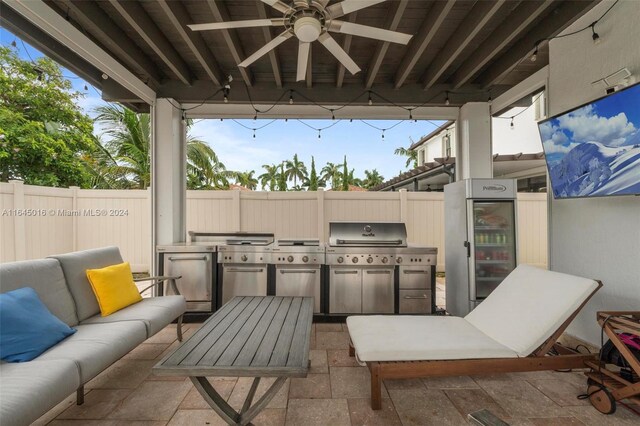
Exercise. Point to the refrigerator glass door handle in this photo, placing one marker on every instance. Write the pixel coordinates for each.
(467, 244)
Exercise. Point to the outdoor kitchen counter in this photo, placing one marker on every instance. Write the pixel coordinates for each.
(248, 337)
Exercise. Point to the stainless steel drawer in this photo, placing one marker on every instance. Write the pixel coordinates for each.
(415, 277)
(415, 301)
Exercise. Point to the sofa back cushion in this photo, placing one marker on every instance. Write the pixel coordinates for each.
(46, 278)
(75, 267)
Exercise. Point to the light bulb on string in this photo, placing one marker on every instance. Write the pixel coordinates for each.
(351, 120)
(319, 131)
(383, 134)
(291, 97)
(370, 100)
(86, 89)
(447, 102)
(254, 133)
(255, 117)
(594, 35)
(14, 43)
(534, 57)
(410, 115)
(490, 100)
(333, 117)
(511, 125)
(225, 99)
(286, 120)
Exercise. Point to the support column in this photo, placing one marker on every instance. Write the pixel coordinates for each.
(473, 145)
(168, 174)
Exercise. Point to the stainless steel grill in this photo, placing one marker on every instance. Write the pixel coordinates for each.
(298, 269)
(243, 260)
(363, 276)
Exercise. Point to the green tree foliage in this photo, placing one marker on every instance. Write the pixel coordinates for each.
(345, 175)
(372, 178)
(282, 179)
(269, 179)
(247, 179)
(412, 156)
(331, 173)
(313, 182)
(43, 133)
(296, 170)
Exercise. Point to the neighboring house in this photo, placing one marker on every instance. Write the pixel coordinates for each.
(441, 143)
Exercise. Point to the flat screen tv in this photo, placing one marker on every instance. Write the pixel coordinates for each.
(594, 150)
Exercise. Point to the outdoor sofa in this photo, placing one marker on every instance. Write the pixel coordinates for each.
(514, 329)
(30, 389)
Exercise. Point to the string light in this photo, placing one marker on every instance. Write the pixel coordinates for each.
(511, 125)
(447, 102)
(291, 97)
(104, 76)
(319, 131)
(370, 100)
(490, 100)
(254, 133)
(86, 89)
(333, 117)
(410, 115)
(383, 133)
(594, 34)
(255, 117)
(534, 57)
(14, 44)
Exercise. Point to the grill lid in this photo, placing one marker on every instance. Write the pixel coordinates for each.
(367, 234)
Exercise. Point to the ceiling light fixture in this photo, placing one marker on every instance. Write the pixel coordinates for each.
(370, 100)
(594, 35)
(447, 102)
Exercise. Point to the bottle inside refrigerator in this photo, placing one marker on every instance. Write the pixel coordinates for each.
(480, 240)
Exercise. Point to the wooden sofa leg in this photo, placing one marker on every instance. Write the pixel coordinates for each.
(179, 328)
(376, 386)
(80, 395)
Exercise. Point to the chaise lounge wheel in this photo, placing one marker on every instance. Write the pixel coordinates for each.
(601, 399)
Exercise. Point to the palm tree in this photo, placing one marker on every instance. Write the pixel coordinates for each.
(354, 180)
(372, 178)
(246, 179)
(282, 178)
(331, 173)
(270, 177)
(313, 183)
(126, 157)
(296, 170)
(412, 156)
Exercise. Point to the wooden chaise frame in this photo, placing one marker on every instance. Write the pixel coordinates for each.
(549, 356)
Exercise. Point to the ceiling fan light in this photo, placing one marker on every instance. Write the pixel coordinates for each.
(307, 29)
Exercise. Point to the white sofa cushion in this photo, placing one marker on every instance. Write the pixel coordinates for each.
(529, 306)
(155, 312)
(30, 389)
(418, 338)
(94, 347)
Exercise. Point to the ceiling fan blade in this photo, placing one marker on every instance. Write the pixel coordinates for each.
(369, 32)
(266, 48)
(323, 2)
(337, 51)
(347, 6)
(237, 24)
(277, 5)
(303, 60)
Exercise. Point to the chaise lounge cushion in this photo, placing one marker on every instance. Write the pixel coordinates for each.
(529, 306)
(421, 338)
(28, 390)
(94, 347)
(75, 266)
(46, 278)
(154, 312)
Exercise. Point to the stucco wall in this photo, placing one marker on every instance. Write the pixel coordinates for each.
(598, 238)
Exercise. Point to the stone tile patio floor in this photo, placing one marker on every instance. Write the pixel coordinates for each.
(336, 392)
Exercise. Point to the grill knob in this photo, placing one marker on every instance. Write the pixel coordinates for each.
(385, 260)
(290, 259)
(340, 259)
(354, 260)
(369, 259)
(305, 259)
(399, 259)
(244, 258)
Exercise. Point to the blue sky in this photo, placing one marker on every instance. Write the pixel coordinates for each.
(613, 121)
(362, 144)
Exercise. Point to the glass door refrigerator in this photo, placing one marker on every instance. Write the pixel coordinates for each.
(480, 239)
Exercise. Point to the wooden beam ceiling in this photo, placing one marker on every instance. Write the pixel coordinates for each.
(516, 22)
(394, 15)
(221, 14)
(139, 20)
(267, 33)
(346, 46)
(179, 18)
(435, 18)
(476, 19)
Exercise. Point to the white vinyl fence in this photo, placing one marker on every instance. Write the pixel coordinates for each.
(38, 221)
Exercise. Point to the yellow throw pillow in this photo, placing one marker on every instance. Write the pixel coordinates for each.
(114, 287)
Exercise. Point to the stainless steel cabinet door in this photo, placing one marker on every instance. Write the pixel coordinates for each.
(243, 281)
(345, 293)
(412, 277)
(196, 271)
(415, 301)
(296, 282)
(377, 291)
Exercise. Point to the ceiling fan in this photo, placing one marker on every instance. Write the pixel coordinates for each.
(308, 21)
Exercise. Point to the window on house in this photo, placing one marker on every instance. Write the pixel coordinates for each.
(446, 142)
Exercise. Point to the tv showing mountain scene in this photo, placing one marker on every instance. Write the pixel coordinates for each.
(594, 150)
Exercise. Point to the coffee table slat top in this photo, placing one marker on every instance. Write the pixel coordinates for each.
(247, 337)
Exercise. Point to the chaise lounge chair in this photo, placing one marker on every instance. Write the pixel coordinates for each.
(514, 329)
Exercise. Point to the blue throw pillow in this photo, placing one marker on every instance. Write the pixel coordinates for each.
(27, 328)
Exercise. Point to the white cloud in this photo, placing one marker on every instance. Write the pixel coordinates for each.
(553, 148)
(587, 126)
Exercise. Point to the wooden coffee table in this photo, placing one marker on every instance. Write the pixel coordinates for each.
(248, 337)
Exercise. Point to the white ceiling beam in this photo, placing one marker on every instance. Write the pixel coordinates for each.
(268, 36)
(476, 19)
(526, 87)
(65, 33)
(435, 18)
(366, 112)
